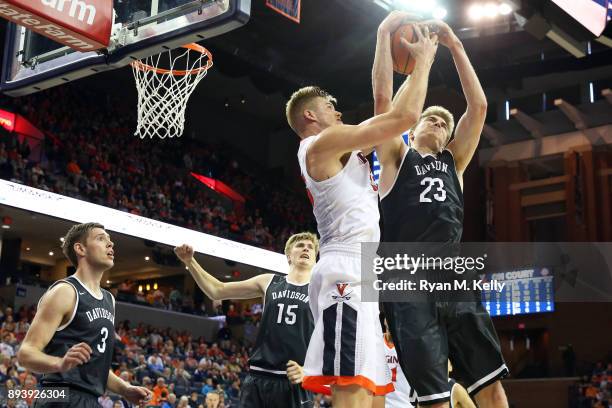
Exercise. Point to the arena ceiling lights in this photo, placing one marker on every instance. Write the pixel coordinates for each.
(426, 8)
(488, 10)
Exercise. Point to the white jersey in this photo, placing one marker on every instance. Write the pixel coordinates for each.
(403, 396)
(345, 205)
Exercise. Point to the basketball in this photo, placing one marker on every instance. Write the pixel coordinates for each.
(403, 63)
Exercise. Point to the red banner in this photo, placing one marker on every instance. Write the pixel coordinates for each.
(7, 120)
(84, 25)
(220, 187)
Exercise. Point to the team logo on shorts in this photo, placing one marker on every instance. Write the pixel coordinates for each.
(343, 293)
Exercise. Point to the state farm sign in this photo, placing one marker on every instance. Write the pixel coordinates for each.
(84, 25)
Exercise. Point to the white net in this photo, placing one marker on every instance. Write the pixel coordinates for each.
(163, 92)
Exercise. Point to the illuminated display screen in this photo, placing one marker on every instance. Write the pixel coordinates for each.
(525, 291)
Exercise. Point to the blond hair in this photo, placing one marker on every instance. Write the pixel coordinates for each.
(302, 236)
(299, 100)
(441, 112)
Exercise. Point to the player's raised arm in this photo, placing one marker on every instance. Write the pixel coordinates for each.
(382, 69)
(340, 139)
(469, 127)
(382, 79)
(214, 288)
(55, 309)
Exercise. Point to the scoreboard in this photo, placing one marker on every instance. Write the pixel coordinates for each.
(525, 291)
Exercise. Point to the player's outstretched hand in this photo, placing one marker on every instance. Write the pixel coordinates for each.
(445, 33)
(138, 395)
(426, 45)
(395, 20)
(295, 372)
(75, 356)
(184, 253)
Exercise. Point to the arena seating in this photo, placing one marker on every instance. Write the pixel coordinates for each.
(144, 355)
(91, 154)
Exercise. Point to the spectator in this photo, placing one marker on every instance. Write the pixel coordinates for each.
(7, 312)
(199, 375)
(203, 309)
(183, 402)
(181, 378)
(176, 299)
(146, 381)
(155, 364)
(140, 297)
(160, 391)
(22, 328)
(221, 403)
(9, 324)
(212, 399)
(6, 347)
(171, 402)
(193, 399)
(158, 299)
(234, 391)
(207, 387)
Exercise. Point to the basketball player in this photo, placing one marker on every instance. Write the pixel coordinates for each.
(72, 335)
(285, 328)
(422, 201)
(346, 351)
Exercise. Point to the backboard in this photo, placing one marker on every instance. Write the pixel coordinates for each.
(140, 28)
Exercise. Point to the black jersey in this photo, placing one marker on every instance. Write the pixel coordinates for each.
(425, 204)
(92, 322)
(285, 328)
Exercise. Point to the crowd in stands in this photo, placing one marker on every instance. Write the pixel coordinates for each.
(90, 153)
(595, 390)
(180, 370)
(171, 298)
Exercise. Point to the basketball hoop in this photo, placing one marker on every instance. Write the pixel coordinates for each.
(163, 93)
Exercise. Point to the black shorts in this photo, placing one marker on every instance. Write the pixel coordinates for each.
(269, 391)
(427, 334)
(76, 399)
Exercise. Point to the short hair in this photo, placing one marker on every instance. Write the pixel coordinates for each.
(299, 100)
(78, 233)
(441, 112)
(302, 236)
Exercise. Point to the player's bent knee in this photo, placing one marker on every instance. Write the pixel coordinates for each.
(378, 402)
(492, 396)
(350, 389)
(350, 396)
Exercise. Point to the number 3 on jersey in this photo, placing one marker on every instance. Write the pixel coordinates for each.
(438, 195)
(102, 346)
(290, 315)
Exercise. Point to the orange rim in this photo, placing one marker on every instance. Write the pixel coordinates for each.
(141, 66)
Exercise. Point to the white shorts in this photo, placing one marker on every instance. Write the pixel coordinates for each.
(346, 347)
